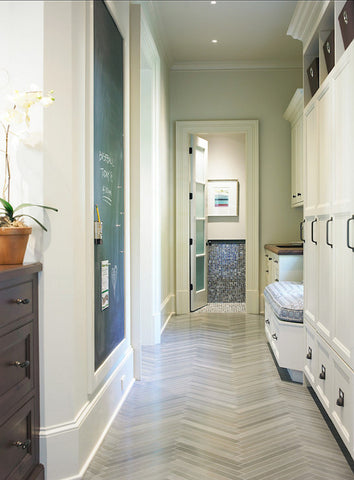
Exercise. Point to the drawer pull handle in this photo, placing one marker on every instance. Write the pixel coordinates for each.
(312, 224)
(23, 301)
(267, 322)
(340, 399)
(327, 234)
(24, 364)
(24, 445)
(348, 233)
(302, 231)
(275, 336)
(309, 354)
(323, 373)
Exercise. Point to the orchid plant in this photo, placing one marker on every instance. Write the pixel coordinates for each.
(17, 115)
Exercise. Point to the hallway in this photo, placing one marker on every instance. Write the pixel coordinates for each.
(211, 406)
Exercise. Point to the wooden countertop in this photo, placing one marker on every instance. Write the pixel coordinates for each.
(285, 249)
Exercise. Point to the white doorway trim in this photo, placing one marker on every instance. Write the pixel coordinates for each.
(199, 127)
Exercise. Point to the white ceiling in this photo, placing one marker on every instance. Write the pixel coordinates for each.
(249, 33)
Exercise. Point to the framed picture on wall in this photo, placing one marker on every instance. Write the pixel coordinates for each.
(223, 198)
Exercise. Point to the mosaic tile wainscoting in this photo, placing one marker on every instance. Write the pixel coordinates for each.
(227, 271)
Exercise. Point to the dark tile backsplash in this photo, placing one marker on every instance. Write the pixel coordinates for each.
(227, 271)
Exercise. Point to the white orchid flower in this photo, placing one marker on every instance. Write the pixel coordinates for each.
(13, 116)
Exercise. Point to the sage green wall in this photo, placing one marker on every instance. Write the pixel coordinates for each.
(252, 95)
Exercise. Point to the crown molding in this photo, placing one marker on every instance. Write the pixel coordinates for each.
(152, 17)
(222, 66)
(296, 106)
(306, 19)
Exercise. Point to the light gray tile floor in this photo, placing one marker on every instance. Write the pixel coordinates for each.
(212, 406)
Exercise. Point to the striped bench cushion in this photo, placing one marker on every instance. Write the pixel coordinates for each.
(286, 299)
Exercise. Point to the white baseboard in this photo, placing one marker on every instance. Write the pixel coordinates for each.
(67, 449)
(261, 304)
(168, 309)
(252, 301)
(182, 302)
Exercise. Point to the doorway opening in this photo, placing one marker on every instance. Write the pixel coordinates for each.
(221, 236)
(249, 130)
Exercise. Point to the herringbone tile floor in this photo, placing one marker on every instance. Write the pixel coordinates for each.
(212, 406)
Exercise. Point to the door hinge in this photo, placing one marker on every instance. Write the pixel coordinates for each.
(191, 241)
(191, 196)
(191, 286)
(190, 150)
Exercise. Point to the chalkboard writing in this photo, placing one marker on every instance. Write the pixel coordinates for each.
(108, 182)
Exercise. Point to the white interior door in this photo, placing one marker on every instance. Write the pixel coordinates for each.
(198, 223)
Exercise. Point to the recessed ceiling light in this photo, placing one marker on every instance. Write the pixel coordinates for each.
(214, 41)
(213, 2)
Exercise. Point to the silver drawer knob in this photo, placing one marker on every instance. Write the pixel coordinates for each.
(24, 364)
(24, 445)
(23, 301)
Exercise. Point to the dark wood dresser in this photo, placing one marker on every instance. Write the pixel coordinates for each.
(19, 373)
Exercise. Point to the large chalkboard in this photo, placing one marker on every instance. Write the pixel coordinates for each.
(108, 181)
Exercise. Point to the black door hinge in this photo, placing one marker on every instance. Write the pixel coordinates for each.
(191, 241)
(190, 150)
(191, 286)
(191, 196)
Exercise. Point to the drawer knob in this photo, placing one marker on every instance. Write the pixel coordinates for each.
(24, 364)
(275, 336)
(22, 301)
(323, 373)
(267, 322)
(309, 354)
(340, 399)
(24, 445)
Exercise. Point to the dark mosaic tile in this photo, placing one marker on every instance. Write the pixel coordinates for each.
(227, 273)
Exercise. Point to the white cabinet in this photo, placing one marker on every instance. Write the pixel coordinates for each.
(282, 267)
(285, 339)
(294, 114)
(333, 381)
(329, 243)
(329, 215)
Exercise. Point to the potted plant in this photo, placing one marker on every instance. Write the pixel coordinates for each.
(14, 233)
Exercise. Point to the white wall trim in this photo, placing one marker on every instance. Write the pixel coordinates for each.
(168, 309)
(221, 66)
(98, 377)
(305, 20)
(69, 447)
(183, 131)
(87, 408)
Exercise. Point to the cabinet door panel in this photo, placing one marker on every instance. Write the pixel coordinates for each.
(343, 335)
(311, 161)
(325, 153)
(324, 375)
(343, 138)
(310, 354)
(325, 279)
(310, 273)
(342, 410)
(299, 162)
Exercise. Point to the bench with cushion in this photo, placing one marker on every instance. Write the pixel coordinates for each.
(284, 322)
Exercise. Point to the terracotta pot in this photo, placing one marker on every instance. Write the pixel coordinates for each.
(13, 243)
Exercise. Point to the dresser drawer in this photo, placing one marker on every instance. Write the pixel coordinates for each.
(16, 302)
(16, 365)
(18, 447)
